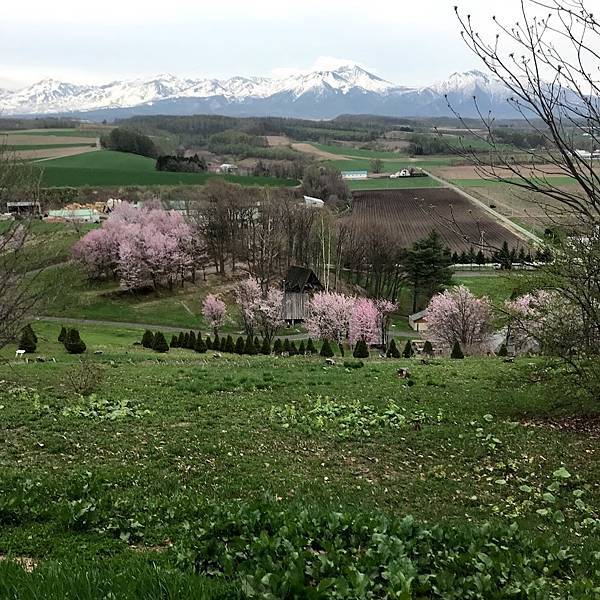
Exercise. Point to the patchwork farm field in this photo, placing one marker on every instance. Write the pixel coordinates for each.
(410, 215)
(186, 475)
(385, 183)
(37, 144)
(108, 168)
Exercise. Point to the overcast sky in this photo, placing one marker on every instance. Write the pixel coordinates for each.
(405, 42)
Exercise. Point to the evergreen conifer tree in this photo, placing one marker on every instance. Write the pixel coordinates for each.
(63, 334)
(408, 350)
(200, 345)
(181, 340)
(392, 351)
(160, 343)
(286, 345)
(457, 351)
(239, 345)
(192, 341)
(293, 350)
(266, 347)
(148, 339)
(73, 342)
(277, 347)
(503, 351)
(174, 342)
(428, 348)
(310, 347)
(28, 341)
(302, 348)
(326, 350)
(361, 349)
(249, 346)
(229, 345)
(208, 343)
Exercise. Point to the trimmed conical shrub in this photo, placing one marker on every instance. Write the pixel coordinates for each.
(310, 347)
(191, 340)
(223, 344)
(216, 342)
(361, 350)
(408, 350)
(181, 340)
(186, 340)
(208, 342)
(229, 345)
(148, 339)
(392, 351)
(239, 345)
(503, 350)
(160, 343)
(63, 334)
(302, 348)
(277, 347)
(326, 350)
(286, 345)
(456, 351)
(428, 348)
(293, 350)
(256, 343)
(249, 346)
(174, 342)
(28, 341)
(266, 347)
(200, 345)
(74, 344)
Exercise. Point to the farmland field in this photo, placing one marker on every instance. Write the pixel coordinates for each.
(385, 183)
(410, 215)
(108, 168)
(37, 144)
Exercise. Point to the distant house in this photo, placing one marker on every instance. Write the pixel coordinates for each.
(23, 207)
(418, 321)
(354, 174)
(299, 286)
(316, 202)
(228, 168)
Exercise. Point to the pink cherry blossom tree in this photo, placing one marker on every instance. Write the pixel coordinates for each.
(457, 315)
(329, 316)
(364, 322)
(270, 313)
(248, 296)
(214, 311)
(145, 246)
(385, 309)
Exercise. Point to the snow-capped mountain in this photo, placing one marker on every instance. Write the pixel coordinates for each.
(348, 89)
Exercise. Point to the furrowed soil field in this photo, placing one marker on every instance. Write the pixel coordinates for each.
(34, 144)
(108, 168)
(410, 215)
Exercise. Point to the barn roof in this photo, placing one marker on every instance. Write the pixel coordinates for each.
(301, 279)
(417, 316)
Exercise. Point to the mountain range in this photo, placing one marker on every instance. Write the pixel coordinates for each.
(348, 89)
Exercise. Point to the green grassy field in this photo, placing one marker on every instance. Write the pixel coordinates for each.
(489, 182)
(356, 152)
(46, 146)
(385, 183)
(91, 133)
(108, 168)
(239, 477)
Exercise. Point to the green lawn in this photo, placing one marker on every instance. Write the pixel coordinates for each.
(144, 486)
(385, 183)
(355, 152)
(108, 168)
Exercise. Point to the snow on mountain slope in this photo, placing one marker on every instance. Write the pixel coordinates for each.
(347, 87)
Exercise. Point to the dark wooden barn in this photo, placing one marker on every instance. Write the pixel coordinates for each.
(299, 286)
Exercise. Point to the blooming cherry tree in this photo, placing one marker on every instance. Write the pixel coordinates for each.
(364, 322)
(329, 316)
(214, 312)
(457, 315)
(248, 296)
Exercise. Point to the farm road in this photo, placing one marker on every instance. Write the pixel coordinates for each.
(510, 225)
(171, 329)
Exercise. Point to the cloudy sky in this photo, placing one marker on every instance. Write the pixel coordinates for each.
(405, 42)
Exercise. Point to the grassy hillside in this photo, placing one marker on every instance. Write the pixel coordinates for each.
(158, 466)
(108, 168)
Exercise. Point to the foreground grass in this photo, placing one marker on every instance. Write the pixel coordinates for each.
(108, 168)
(173, 446)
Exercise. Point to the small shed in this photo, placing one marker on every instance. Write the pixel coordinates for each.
(418, 321)
(79, 215)
(299, 286)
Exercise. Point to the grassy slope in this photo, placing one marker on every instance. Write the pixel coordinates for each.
(91, 133)
(48, 146)
(79, 488)
(108, 168)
